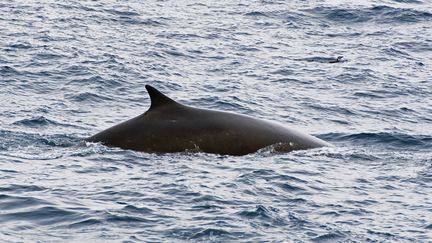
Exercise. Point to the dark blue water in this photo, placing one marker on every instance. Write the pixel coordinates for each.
(72, 68)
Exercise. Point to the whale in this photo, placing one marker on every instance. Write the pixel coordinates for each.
(169, 126)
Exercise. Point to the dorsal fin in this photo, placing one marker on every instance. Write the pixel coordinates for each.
(157, 98)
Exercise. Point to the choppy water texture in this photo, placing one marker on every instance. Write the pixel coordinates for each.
(72, 68)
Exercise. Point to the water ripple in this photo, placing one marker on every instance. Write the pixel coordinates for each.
(378, 14)
(71, 69)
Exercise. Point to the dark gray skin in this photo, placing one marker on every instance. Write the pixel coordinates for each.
(172, 127)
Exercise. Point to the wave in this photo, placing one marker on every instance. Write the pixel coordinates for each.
(265, 214)
(377, 14)
(20, 45)
(39, 121)
(9, 71)
(24, 145)
(33, 210)
(390, 140)
(88, 97)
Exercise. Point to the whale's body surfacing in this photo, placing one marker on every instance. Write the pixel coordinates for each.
(172, 127)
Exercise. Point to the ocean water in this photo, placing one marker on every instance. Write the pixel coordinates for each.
(69, 69)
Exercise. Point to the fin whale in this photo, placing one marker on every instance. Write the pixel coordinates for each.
(168, 126)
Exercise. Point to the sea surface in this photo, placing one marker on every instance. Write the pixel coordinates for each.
(69, 69)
